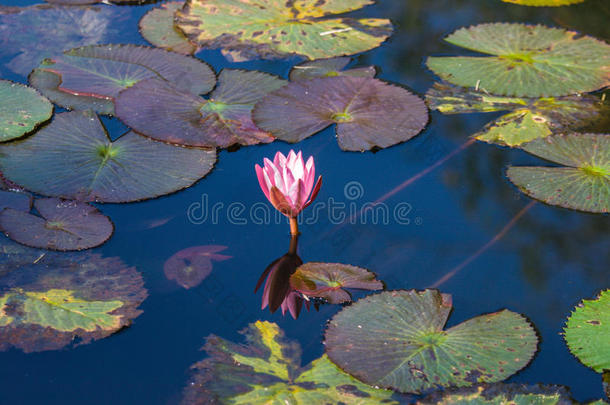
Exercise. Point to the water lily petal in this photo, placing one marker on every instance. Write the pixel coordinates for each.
(260, 174)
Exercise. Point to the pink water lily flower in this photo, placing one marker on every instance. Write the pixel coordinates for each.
(288, 183)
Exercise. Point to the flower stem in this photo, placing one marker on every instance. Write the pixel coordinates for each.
(294, 226)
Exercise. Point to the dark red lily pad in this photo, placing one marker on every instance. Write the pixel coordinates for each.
(329, 280)
(91, 77)
(15, 200)
(162, 111)
(63, 299)
(368, 112)
(62, 225)
(329, 68)
(190, 266)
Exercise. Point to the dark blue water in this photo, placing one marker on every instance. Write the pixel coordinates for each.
(548, 262)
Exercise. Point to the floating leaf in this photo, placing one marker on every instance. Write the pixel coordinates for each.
(84, 2)
(62, 299)
(190, 266)
(74, 158)
(158, 28)
(367, 111)
(15, 200)
(22, 109)
(587, 332)
(501, 394)
(268, 371)
(526, 61)
(30, 34)
(582, 184)
(544, 3)
(329, 280)
(276, 28)
(62, 225)
(329, 68)
(91, 77)
(395, 339)
(158, 109)
(529, 119)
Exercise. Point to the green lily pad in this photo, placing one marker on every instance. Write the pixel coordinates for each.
(63, 299)
(161, 111)
(276, 28)
(329, 68)
(544, 3)
(157, 27)
(528, 119)
(62, 225)
(267, 371)
(15, 200)
(30, 34)
(329, 280)
(526, 61)
(22, 109)
(501, 394)
(396, 340)
(74, 158)
(368, 112)
(90, 78)
(583, 183)
(587, 332)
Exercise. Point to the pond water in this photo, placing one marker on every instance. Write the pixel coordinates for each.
(549, 259)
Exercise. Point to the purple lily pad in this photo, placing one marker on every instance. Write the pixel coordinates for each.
(368, 112)
(162, 111)
(62, 225)
(15, 200)
(74, 158)
(91, 77)
(190, 266)
(329, 280)
(329, 68)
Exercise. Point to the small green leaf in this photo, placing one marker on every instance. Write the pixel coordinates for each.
(544, 3)
(158, 28)
(501, 394)
(22, 109)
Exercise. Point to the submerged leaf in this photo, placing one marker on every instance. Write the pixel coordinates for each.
(501, 394)
(329, 281)
(528, 119)
(164, 112)
(276, 28)
(267, 370)
(582, 184)
(90, 78)
(22, 109)
(368, 112)
(158, 28)
(329, 68)
(395, 339)
(190, 266)
(587, 332)
(526, 61)
(62, 299)
(16, 200)
(62, 225)
(74, 158)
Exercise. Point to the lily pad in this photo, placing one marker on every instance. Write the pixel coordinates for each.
(30, 34)
(396, 340)
(329, 68)
(63, 299)
(164, 112)
(528, 119)
(276, 28)
(526, 61)
(62, 225)
(90, 78)
(85, 2)
(190, 266)
(583, 183)
(368, 112)
(544, 3)
(502, 394)
(15, 200)
(158, 28)
(329, 281)
(267, 370)
(22, 109)
(74, 158)
(587, 332)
